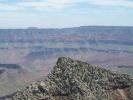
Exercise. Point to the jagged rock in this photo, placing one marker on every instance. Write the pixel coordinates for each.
(76, 80)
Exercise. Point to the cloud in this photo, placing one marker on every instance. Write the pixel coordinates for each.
(49, 4)
(61, 4)
(34, 4)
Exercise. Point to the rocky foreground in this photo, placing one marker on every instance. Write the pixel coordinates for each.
(76, 80)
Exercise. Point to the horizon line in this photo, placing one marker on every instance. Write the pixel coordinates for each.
(35, 27)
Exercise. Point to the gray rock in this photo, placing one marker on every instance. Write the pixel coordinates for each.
(76, 80)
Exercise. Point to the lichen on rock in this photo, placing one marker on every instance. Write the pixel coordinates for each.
(77, 80)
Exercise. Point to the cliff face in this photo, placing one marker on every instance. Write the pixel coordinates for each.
(76, 80)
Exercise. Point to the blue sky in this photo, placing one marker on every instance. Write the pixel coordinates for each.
(65, 13)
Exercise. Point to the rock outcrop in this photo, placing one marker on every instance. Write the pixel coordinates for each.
(76, 80)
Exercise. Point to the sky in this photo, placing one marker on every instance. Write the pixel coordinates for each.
(65, 13)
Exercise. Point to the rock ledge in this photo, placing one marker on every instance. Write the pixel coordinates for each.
(76, 80)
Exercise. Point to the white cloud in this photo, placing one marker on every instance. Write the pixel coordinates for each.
(49, 4)
(61, 4)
